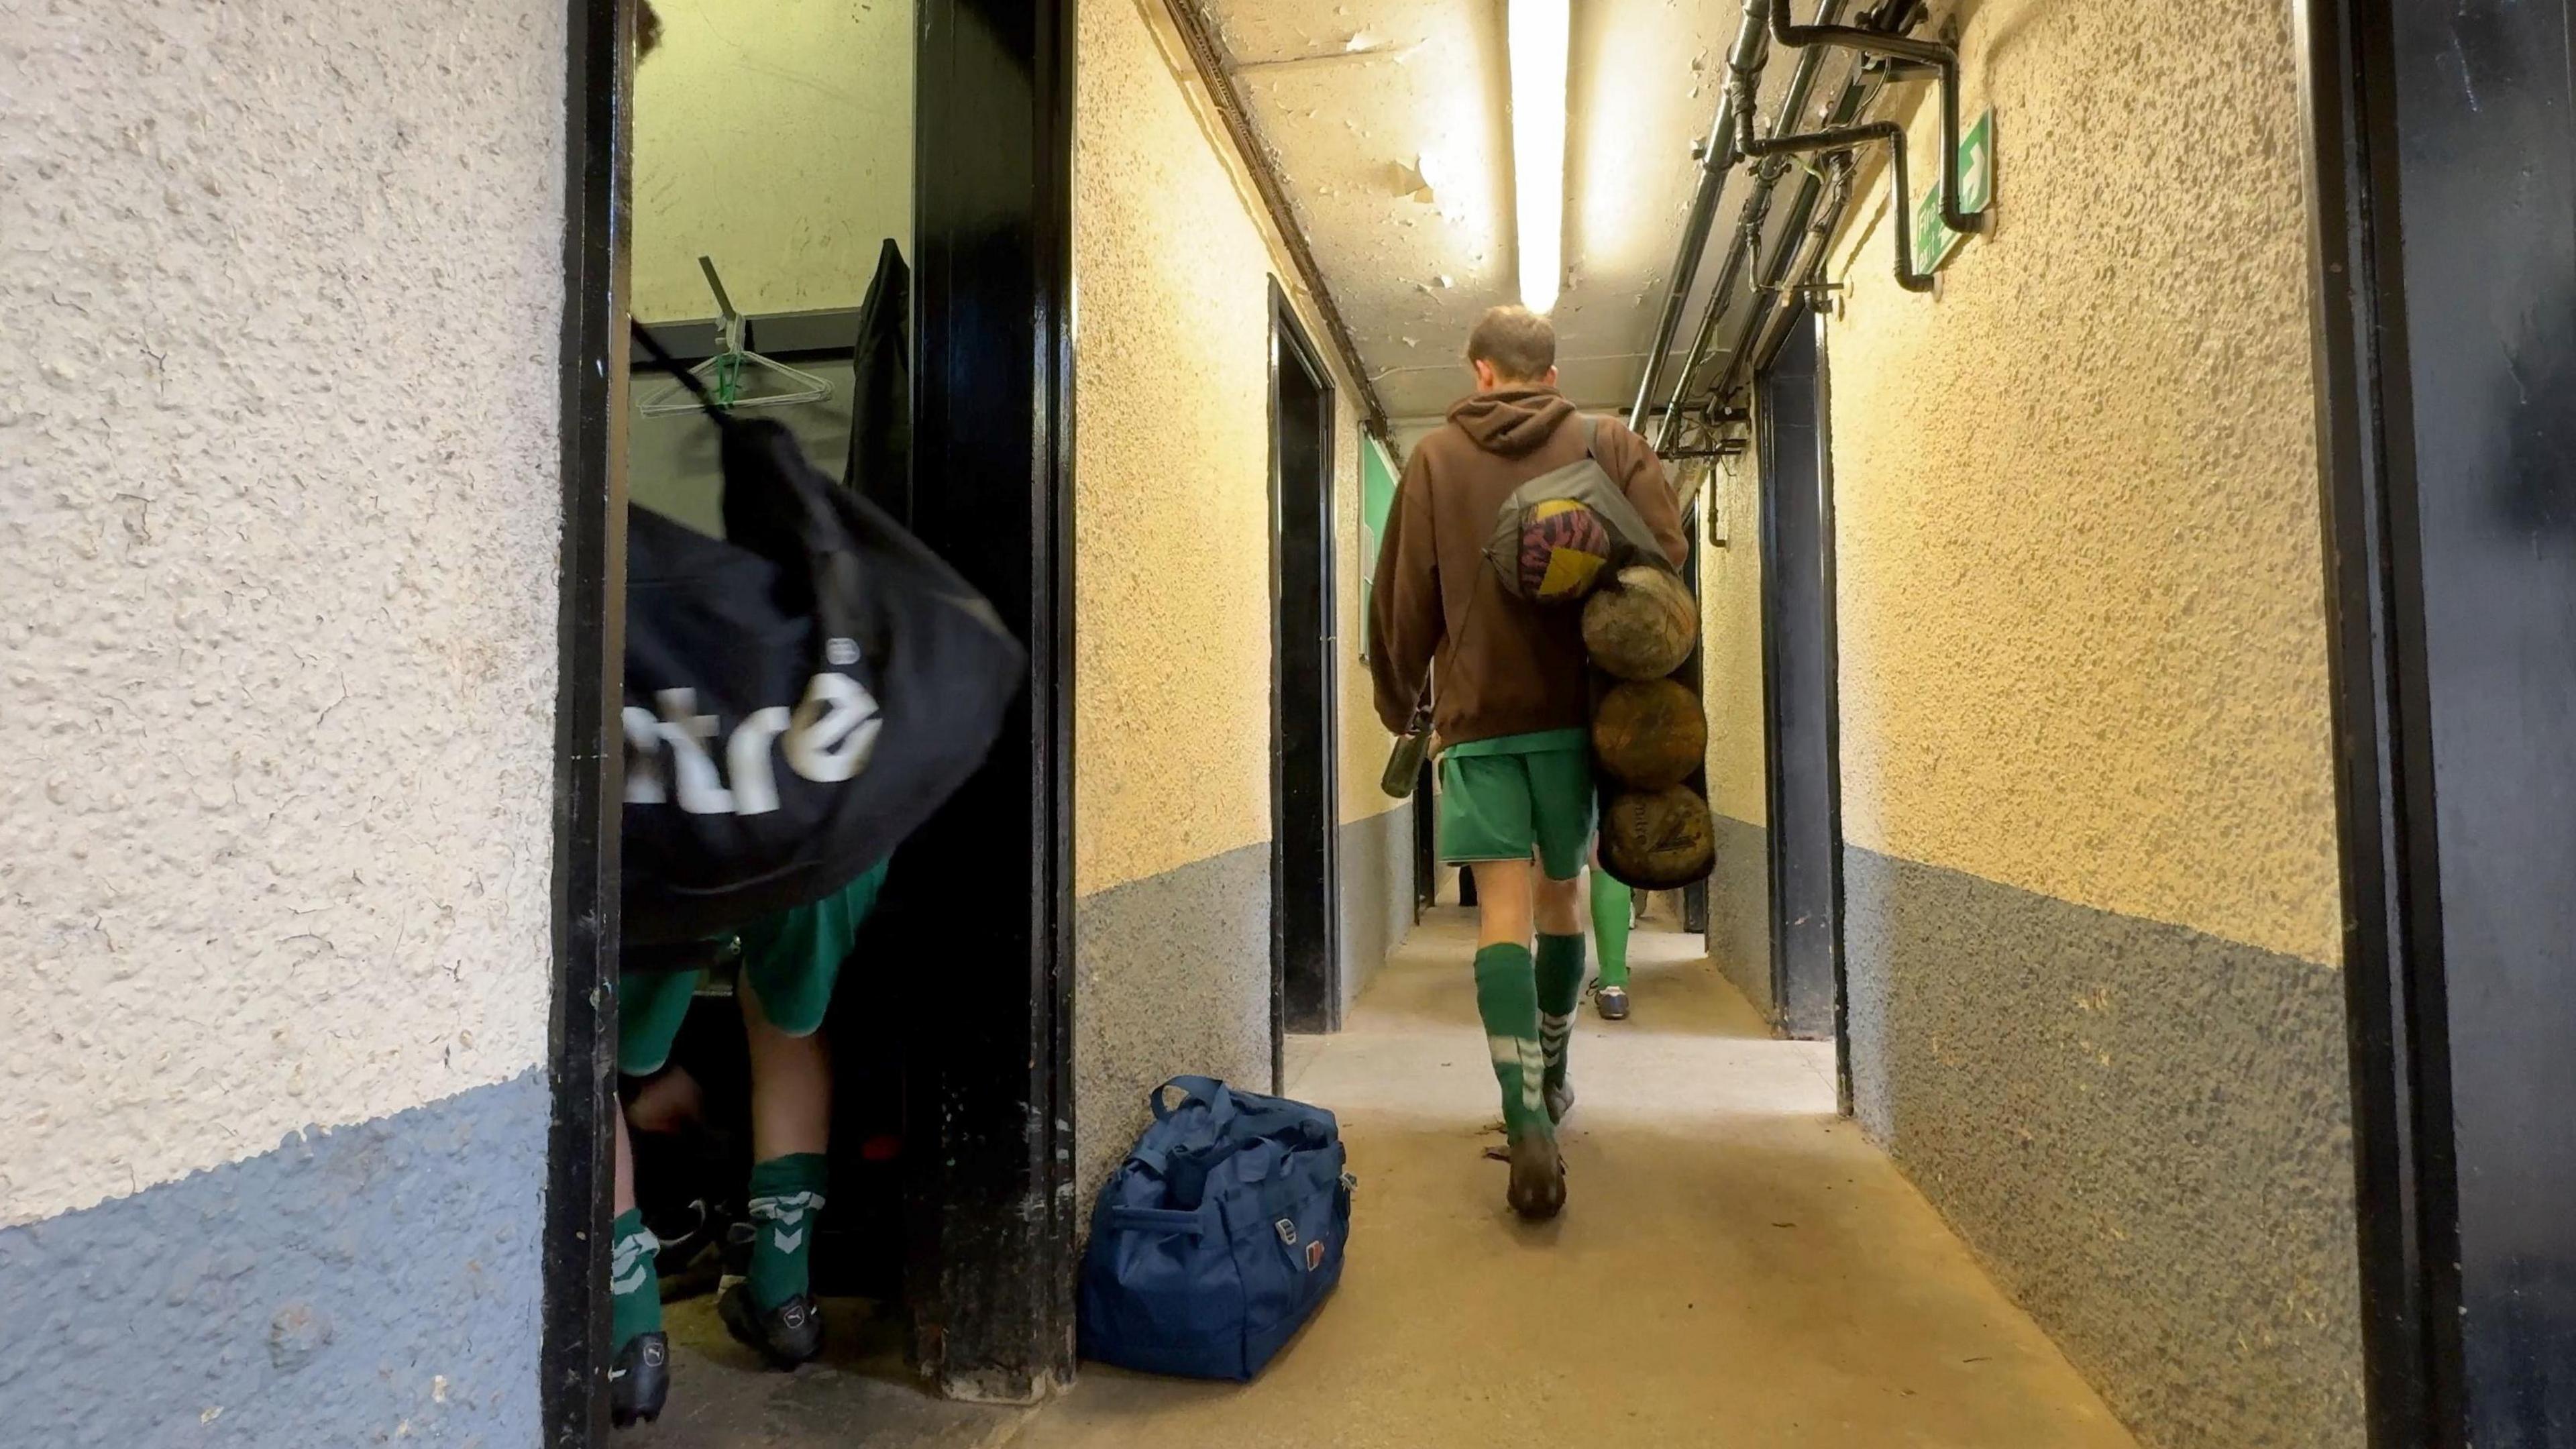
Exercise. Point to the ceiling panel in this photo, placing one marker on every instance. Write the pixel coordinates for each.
(1388, 122)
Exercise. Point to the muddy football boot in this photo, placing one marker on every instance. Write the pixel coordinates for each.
(1538, 1177)
(640, 1381)
(787, 1335)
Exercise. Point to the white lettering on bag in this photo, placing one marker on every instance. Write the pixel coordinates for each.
(828, 738)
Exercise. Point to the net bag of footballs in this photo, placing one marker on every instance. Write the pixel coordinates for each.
(1563, 548)
(1649, 733)
(1657, 840)
(1641, 623)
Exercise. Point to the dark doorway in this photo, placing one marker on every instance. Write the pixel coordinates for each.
(1800, 710)
(1305, 966)
(988, 1221)
(2445, 191)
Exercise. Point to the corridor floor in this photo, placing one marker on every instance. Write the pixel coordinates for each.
(1736, 1265)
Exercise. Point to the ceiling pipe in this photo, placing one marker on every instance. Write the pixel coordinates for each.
(1716, 158)
(1757, 210)
(1860, 90)
(1942, 60)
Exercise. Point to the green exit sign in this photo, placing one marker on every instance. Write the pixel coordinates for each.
(1934, 242)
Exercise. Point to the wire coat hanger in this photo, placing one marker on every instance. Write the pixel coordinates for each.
(730, 371)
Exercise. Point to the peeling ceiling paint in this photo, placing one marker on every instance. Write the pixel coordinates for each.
(1388, 122)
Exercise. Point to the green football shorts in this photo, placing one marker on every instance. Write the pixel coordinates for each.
(792, 959)
(1507, 798)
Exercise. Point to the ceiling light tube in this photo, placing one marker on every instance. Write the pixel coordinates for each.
(1538, 33)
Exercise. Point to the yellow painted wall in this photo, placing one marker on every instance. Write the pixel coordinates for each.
(1172, 260)
(1730, 583)
(2081, 610)
(776, 137)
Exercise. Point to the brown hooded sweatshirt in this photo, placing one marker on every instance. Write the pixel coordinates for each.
(1505, 667)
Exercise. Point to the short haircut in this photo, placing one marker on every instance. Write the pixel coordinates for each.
(1519, 343)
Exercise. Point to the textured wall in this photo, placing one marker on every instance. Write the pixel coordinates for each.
(1739, 910)
(368, 1284)
(1172, 262)
(284, 284)
(776, 137)
(2092, 903)
(2141, 1129)
(1730, 590)
(2083, 648)
(280, 535)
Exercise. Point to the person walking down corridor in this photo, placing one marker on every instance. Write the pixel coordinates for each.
(1510, 695)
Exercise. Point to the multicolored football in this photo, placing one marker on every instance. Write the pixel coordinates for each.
(1563, 546)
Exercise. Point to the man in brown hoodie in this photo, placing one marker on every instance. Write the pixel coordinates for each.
(1510, 706)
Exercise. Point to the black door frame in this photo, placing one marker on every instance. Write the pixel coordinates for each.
(1831, 721)
(988, 1075)
(2438, 1336)
(1291, 347)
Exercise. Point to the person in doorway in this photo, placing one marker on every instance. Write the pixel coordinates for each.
(1510, 707)
(790, 964)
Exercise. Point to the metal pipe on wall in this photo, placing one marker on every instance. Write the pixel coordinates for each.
(1716, 158)
(1943, 60)
(1757, 210)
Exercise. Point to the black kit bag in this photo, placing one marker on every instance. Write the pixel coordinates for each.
(800, 695)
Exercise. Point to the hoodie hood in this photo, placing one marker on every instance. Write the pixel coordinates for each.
(1512, 421)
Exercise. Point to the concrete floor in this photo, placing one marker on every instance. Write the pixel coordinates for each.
(1736, 1266)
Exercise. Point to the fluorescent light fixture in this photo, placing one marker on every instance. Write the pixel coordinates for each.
(1537, 38)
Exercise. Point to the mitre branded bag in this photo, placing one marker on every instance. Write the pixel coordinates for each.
(800, 695)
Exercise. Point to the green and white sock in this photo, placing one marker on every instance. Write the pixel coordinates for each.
(634, 1288)
(1613, 911)
(1560, 987)
(786, 1197)
(1507, 998)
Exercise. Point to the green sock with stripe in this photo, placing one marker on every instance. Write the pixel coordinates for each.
(1560, 987)
(1507, 999)
(634, 1289)
(786, 1198)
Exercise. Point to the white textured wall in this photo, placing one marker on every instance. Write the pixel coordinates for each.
(281, 284)
(2082, 617)
(776, 137)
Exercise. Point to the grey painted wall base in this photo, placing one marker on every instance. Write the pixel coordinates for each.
(359, 1285)
(2142, 1130)
(1739, 912)
(1174, 978)
(1376, 895)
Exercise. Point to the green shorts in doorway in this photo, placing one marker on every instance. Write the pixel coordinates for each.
(792, 959)
(1503, 799)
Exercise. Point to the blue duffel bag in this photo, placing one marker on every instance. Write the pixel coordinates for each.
(1218, 1236)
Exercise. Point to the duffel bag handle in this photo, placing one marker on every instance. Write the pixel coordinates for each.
(1206, 1091)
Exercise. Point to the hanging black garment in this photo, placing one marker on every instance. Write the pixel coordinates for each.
(880, 464)
(800, 695)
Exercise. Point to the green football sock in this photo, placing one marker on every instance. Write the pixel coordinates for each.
(634, 1290)
(1560, 987)
(1507, 998)
(1612, 904)
(786, 1196)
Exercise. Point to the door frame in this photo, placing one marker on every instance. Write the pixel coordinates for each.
(989, 1075)
(1291, 346)
(1830, 632)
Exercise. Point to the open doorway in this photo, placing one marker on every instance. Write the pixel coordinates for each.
(1305, 956)
(903, 256)
(1801, 708)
